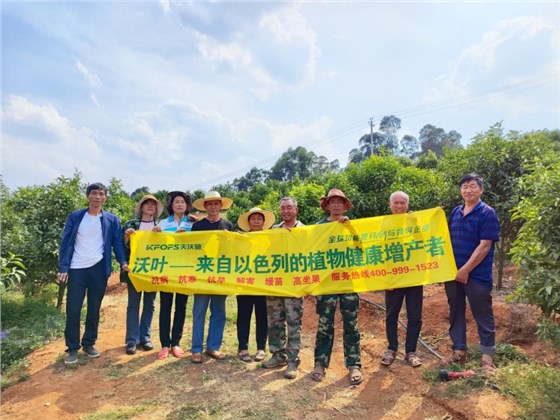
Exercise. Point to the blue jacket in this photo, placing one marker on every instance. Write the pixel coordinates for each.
(111, 228)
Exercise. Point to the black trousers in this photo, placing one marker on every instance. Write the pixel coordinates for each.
(393, 301)
(167, 336)
(245, 306)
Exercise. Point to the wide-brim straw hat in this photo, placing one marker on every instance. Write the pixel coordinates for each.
(212, 196)
(335, 192)
(138, 208)
(269, 219)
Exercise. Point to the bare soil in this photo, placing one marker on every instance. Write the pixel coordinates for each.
(119, 386)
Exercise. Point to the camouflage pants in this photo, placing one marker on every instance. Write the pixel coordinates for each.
(282, 311)
(349, 307)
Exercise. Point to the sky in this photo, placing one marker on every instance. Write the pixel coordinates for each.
(186, 95)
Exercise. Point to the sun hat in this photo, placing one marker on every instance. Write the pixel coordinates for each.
(269, 219)
(212, 196)
(138, 208)
(335, 192)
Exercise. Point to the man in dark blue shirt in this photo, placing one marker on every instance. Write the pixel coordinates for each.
(474, 227)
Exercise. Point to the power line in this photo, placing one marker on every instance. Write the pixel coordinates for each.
(414, 111)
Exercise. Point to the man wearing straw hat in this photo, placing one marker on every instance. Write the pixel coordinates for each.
(285, 313)
(335, 203)
(213, 203)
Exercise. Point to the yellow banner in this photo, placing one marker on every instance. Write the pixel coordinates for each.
(360, 255)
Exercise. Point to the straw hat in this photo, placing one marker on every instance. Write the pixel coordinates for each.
(138, 208)
(212, 196)
(335, 192)
(269, 219)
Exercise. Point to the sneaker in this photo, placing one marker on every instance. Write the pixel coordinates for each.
(91, 352)
(130, 348)
(147, 346)
(71, 358)
(275, 361)
(291, 372)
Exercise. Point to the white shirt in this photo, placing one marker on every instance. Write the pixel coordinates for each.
(88, 248)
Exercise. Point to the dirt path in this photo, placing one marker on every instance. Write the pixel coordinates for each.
(139, 386)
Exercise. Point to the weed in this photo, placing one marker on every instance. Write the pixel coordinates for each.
(536, 389)
(192, 411)
(121, 413)
(28, 324)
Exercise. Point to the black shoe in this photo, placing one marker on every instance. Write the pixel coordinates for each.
(71, 358)
(147, 346)
(91, 352)
(131, 348)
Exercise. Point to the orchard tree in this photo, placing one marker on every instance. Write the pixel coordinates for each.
(537, 247)
(500, 160)
(119, 201)
(374, 180)
(41, 213)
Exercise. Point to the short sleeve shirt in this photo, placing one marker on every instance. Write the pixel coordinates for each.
(481, 223)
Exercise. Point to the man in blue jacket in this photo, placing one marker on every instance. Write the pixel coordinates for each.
(85, 264)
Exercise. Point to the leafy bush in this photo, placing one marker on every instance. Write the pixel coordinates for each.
(537, 247)
(13, 271)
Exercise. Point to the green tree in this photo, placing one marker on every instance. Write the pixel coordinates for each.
(500, 160)
(375, 179)
(250, 179)
(119, 202)
(355, 156)
(374, 144)
(389, 127)
(40, 213)
(428, 160)
(138, 193)
(409, 146)
(537, 247)
(437, 140)
(300, 163)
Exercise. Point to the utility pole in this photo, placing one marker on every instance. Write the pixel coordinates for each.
(371, 124)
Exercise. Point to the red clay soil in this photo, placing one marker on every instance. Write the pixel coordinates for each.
(53, 391)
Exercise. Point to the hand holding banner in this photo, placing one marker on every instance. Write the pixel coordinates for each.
(359, 255)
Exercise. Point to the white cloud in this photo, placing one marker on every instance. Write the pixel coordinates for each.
(164, 4)
(92, 78)
(507, 64)
(290, 28)
(41, 144)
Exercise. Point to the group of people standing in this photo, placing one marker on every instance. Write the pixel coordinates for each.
(85, 264)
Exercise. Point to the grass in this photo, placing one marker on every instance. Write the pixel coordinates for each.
(534, 387)
(123, 413)
(191, 411)
(28, 323)
(232, 389)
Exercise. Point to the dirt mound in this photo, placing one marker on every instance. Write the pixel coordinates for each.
(144, 387)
